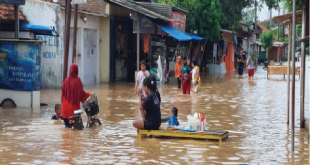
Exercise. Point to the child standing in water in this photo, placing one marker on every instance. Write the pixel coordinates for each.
(142, 74)
(195, 76)
(186, 78)
(150, 107)
(251, 65)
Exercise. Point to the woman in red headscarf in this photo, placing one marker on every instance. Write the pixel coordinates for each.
(72, 94)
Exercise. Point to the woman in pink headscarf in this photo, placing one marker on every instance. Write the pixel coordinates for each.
(72, 94)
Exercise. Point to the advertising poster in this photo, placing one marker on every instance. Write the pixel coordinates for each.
(20, 67)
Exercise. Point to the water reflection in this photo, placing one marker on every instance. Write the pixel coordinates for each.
(253, 111)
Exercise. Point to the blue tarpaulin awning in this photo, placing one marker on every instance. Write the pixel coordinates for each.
(39, 29)
(195, 37)
(178, 35)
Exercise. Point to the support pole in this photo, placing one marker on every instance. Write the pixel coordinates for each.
(293, 73)
(309, 41)
(138, 41)
(67, 40)
(16, 9)
(75, 33)
(289, 73)
(303, 66)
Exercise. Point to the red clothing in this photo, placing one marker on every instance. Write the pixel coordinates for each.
(68, 109)
(186, 84)
(72, 88)
(72, 93)
(251, 72)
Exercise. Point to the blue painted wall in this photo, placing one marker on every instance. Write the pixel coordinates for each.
(20, 66)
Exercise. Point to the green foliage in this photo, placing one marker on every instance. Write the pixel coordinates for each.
(248, 17)
(271, 4)
(233, 12)
(288, 5)
(266, 39)
(208, 16)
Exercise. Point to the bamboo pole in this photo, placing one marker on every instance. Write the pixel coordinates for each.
(293, 73)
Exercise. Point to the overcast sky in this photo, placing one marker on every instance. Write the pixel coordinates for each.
(263, 14)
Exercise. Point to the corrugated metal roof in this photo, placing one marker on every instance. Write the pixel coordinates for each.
(92, 7)
(161, 9)
(7, 13)
(140, 9)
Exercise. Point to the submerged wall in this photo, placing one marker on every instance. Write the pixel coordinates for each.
(48, 14)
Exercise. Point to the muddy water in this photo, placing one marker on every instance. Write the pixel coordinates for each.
(254, 112)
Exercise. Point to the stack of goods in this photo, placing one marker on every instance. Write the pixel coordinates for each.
(197, 122)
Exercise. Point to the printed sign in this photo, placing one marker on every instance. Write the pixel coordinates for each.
(20, 67)
(281, 70)
(179, 21)
(78, 2)
(13, 2)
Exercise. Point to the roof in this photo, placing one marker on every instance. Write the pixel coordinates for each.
(180, 36)
(92, 7)
(263, 27)
(288, 16)
(195, 37)
(140, 9)
(7, 13)
(162, 9)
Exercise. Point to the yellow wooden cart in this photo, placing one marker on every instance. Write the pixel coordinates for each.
(208, 134)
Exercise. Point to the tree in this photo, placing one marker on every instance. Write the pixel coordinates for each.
(266, 39)
(248, 17)
(233, 11)
(271, 4)
(208, 16)
(289, 6)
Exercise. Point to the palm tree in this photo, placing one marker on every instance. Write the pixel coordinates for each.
(271, 4)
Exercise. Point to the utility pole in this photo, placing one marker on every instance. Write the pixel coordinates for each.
(67, 40)
(75, 33)
(293, 73)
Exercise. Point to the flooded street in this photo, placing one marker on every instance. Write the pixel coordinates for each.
(254, 113)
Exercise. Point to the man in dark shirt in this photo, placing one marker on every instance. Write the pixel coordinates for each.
(241, 61)
(151, 105)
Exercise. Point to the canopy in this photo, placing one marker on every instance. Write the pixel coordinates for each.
(39, 29)
(195, 37)
(178, 35)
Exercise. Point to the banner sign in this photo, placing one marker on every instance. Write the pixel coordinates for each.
(281, 70)
(20, 66)
(13, 2)
(179, 21)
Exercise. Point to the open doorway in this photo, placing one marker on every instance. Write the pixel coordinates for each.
(121, 61)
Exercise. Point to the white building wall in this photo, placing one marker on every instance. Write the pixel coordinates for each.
(47, 14)
(87, 47)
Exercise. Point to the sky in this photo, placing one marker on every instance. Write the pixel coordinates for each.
(263, 14)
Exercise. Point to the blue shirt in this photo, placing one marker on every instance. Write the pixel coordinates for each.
(173, 121)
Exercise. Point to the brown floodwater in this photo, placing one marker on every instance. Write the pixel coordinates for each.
(254, 112)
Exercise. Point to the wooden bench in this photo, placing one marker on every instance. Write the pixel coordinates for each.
(208, 134)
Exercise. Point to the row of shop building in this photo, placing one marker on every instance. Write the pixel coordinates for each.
(107, 39)
(112, 37)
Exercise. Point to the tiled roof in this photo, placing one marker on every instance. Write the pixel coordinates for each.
(7, 13)
(95, 7)
(261, 26)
